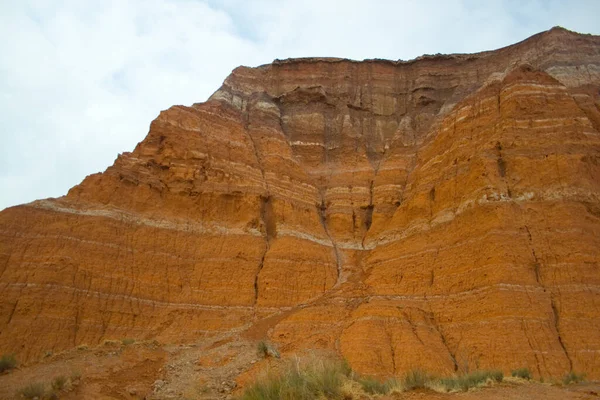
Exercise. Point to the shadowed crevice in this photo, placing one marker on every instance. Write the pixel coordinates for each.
(368, 221)
(322, 212)
(557, 327)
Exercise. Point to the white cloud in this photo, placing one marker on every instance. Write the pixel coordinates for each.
(80, 81)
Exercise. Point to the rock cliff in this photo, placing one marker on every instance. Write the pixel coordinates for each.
(441, 213)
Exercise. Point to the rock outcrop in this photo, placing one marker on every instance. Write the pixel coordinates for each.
(440, 213)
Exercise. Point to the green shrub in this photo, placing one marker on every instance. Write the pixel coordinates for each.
(523, 373)
(497, 375)
(416, 379)
(344, 368)
(128, 341)
(262, 348)
(33, 390)
(265, 349)
(373, 386)
(319, 378)
(470, 380)
(7, 362)
(59, 382)
(573, 377)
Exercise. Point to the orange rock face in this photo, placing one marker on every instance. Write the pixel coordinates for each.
(441, 213)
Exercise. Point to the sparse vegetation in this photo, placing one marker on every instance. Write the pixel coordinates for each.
(416, 379)
(75, 377)
(7, 362)
(373, 386)
(522, 373)
(128, 341)
(573, 377)
(265, 349)
(33, 390)
(470, 380)
(262, 348)
(326, 379)
(302, 382)
(59, 382)
(497, 375)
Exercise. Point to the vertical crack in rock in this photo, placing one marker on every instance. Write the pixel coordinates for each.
(5, 266)
(537, 360)
(440, 332)
(500, 161)
(268, 218)
(270, 232)
(260, 267)
(413, 327)
(391, 343)
(589, 108)
(266, 206)
(12, 312)
(501, 165)
(552, 302)
(282, 115)
(322, 211)
(76, 327)
(536, 267)
(432, 194)
(557, 326)
(536, 262)
(431, 201)
(432, 278)
(368, 214)
(259, 163)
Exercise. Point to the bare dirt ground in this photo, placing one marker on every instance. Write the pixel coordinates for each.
(144, 370)
(211, 369)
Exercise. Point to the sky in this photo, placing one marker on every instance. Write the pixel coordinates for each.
(80, 81)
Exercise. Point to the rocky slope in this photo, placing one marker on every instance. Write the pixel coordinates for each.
(440, 213)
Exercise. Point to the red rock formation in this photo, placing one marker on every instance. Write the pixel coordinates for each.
(440, 213)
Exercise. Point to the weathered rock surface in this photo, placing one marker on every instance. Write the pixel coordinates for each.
(440, 213)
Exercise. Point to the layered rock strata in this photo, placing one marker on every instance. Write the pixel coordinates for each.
(441, 213)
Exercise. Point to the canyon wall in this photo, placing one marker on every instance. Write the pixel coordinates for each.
(441, 213)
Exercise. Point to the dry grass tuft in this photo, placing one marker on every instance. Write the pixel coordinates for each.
(318, 378)
(59, 382)
(573, 377)
(522, 373)
(32, 391)
(473, 379)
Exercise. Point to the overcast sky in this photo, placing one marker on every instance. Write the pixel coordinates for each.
(81, 80)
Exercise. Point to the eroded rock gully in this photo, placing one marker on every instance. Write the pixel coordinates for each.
(440, 213)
